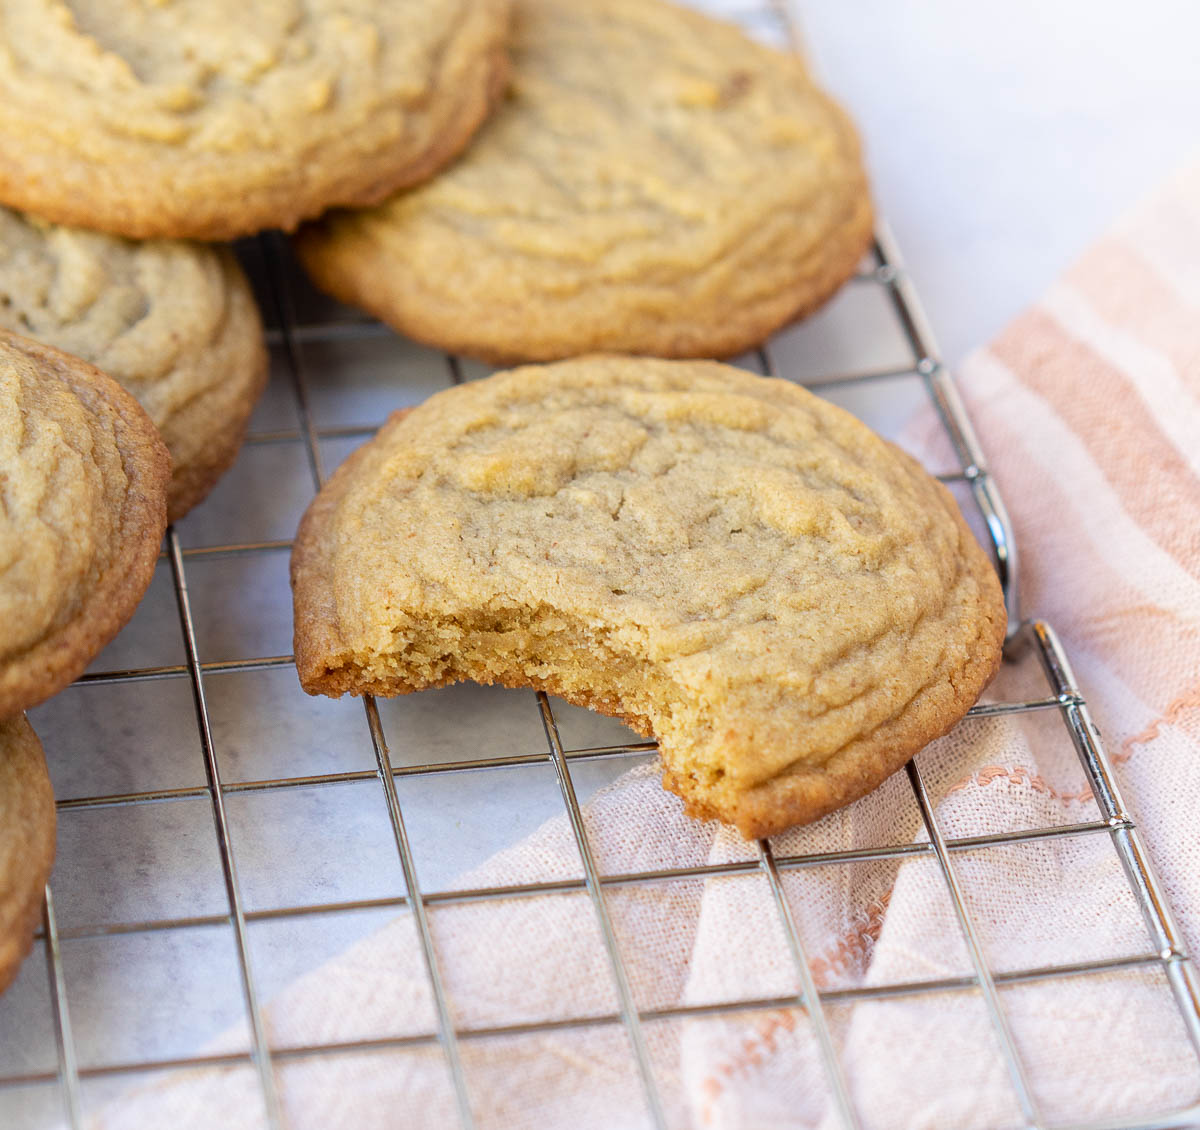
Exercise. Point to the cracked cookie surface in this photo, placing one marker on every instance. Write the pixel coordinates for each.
(83, 478)
(654, 183)
(212, 119)
(173, 322)
(787, 602)
(27, 822)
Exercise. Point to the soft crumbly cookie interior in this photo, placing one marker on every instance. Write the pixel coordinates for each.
(522, 646)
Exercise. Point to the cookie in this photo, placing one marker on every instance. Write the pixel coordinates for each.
(787, 602)
(211, 119)
(27, 822)
(175, 323)
(83, 478)
(654, 183)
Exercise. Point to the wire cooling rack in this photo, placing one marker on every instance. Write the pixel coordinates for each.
(177, 756)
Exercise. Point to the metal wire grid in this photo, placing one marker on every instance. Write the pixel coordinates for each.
(1165, 951)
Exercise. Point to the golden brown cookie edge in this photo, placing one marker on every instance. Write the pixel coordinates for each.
(355, 269)
(27, 803)
(193, 481)
(314, 613)
(61, 657)
(803, 795)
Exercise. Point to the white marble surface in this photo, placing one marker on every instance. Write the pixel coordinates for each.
(1003, 138)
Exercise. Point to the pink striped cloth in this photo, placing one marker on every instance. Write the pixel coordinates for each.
(1089, 407)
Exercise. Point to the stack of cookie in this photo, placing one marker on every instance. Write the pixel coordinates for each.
(788, 603)
(127, 132)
